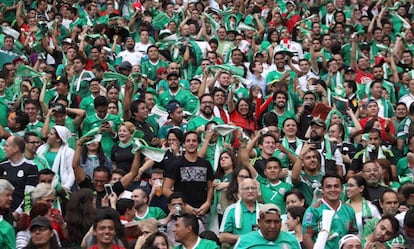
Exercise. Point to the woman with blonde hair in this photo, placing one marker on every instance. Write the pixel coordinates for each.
(121, 153)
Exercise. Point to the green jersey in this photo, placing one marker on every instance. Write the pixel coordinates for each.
(274, 193)
(369, 229)
(35, 127)
(343, 222)
(256, 240)
(150, 69)
(309, 184)
(152, 212)
(87, 105)
(163, 132)
(40, 162)
(107, 140)
(188, 101)
(4, 110)
(152, 120)
(202, 244)
(282, 117)
(200, 121)
(80, 84)
(241, 223)
(7, 235)
(403, 172)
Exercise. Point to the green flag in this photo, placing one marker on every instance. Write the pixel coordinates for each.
(26, 71)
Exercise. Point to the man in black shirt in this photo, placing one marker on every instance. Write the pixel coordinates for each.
(192, 176)
(19, 172)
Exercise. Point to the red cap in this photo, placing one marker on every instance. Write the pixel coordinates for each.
(161, 70)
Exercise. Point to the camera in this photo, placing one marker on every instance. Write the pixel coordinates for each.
(308, 107)
(59, 108)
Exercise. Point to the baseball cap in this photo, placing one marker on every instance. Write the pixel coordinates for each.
(40, 221)
(161, 70)
(172, 106)
(126, 65)
(269, 208)
(67, 40)
(63, 80)
(370, 101)
(319, 122)
(349, 69)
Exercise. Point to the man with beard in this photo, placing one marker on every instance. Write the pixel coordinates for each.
(373, 151)
(280, 99)
(331, 156)
(173, 67)
(187, 100)
(282, 73)
(378, 73)
(129, 54)
(205, 114)
(342, 221)
(371, 173)
(8, 238)
(143, 210)
(269, 234)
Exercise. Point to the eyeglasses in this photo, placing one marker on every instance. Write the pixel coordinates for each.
(250, 188)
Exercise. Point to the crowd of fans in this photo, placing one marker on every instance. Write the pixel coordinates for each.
(207, 124)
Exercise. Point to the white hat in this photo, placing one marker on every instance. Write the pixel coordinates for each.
(346, 238)
(63, 133)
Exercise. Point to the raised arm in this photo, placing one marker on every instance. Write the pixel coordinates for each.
(129, 91)
(80, 174)
(127, 179)
(80, 115)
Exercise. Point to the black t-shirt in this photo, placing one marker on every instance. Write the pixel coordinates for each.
(19, 176)
(145, 128)
(167, 162)
(123, 157)
(191, 179)
(357, 161)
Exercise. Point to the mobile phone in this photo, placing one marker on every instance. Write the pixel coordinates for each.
(318, 145)
(108, 188)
